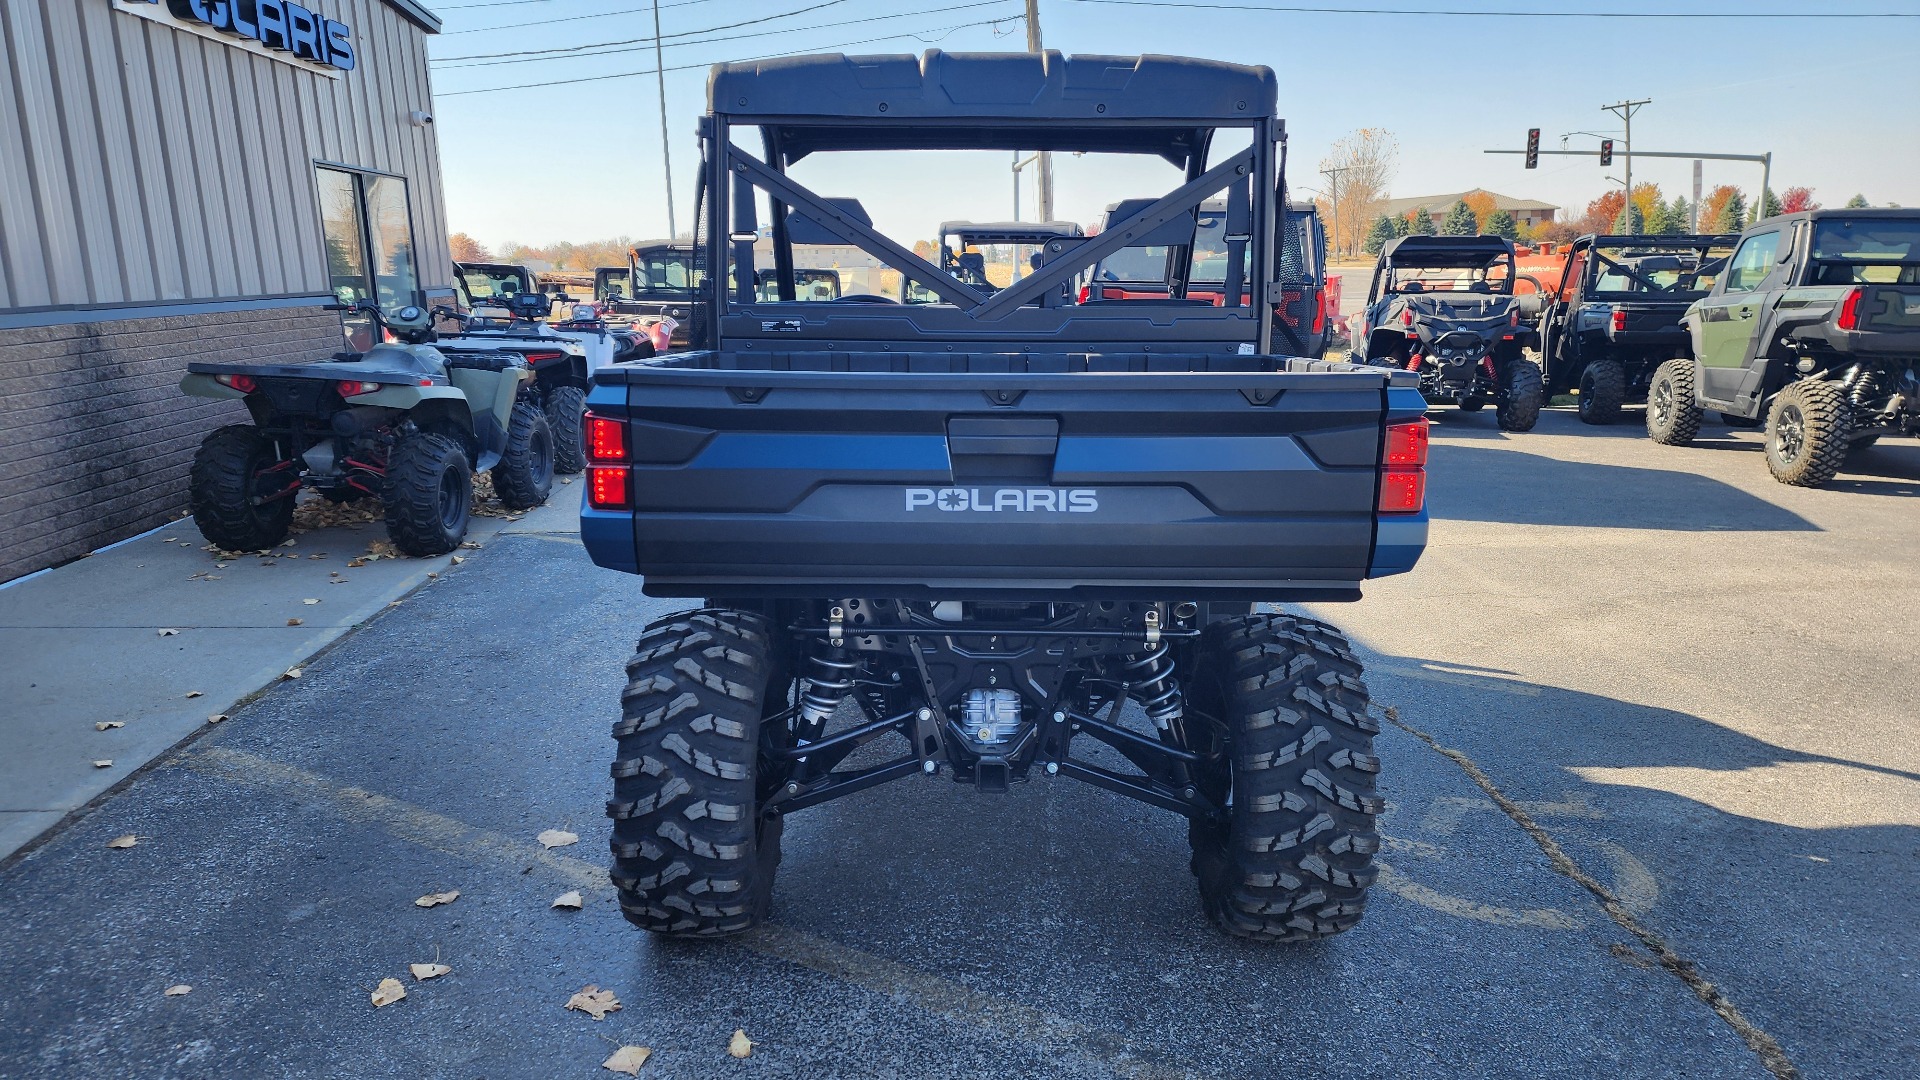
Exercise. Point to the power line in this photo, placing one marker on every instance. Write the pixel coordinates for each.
(1295, 10)
(572, 18)
(610, 48)
(489, 3)
(916, 34)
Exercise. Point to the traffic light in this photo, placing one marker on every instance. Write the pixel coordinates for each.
(1533, 148)
(1606, 151)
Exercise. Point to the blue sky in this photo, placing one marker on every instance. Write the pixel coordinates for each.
(1836, 100)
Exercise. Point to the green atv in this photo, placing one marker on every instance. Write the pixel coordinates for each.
(402, 421)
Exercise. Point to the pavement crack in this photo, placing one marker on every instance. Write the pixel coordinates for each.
(1771, 1056)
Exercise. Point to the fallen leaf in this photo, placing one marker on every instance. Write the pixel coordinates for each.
(470, 544)
(594, 1001)
(108, 725)
(216, 718)
(458, 559)
(566, 479)
(432, 574)
(179, 990)
(393, 603)
(318, 555)
(168, 631)
(627, 1059)
(193, 693)
(293, 673)
(338, 581)
(311, 600)
(389, 992)
(435, 899)
(554, 838)
(352, 563)
(295, 622)
(568, 900)
(740, 1046)
(103, 763)
(126, 841)
(423, 972)
(219, 566)
(288, 542)
(333, 573)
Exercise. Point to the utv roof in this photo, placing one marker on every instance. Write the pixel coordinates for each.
(1445, 250)
(1010, 231)
(1660, 239)
(991, 101)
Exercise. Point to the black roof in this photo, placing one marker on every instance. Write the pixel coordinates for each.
(992, 101)
(1445, 250)
(1658, 239)
(1011, 231)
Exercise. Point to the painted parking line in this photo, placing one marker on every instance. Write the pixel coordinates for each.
(976, 1011)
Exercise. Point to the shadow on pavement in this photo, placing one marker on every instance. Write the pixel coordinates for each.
(1789, 877)
(1470, 483)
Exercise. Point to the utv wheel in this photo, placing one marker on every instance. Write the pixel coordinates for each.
(225, 481)
(1523, 391)
(1807, 433)
(566, 415)
(1735, 420)
(429, 494)
(1603, 389)
(692, 856)
(1293, 859)
(524, 476)
(1673, 414)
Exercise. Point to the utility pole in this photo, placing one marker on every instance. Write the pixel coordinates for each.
(666, 147)
(1046, 158)
(1693, 208)
(1625, 110)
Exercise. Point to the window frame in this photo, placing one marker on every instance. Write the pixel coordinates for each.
(1772, 237)
(370, 279)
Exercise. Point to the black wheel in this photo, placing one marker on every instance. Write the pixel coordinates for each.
(1294, 856)
(692, 855)
(235, 469)
(1673, 414)
(1807, 433)
(1603, 389)
(566, 414)
(1522, 392)
(429, 494)
(1738, 421)
(524, 476)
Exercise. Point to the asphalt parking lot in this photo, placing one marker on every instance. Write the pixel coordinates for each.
(1691, 689)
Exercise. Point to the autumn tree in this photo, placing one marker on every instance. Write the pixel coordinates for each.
(1602, 212)
(1558, 232)
(1713, 207)
(1500, 223)
(1646, 196)
(1459, 221)
(466, 249)
(1377, 236)
(1481, 203)
(1733, 214)
(1795, 199)
(1361, 169)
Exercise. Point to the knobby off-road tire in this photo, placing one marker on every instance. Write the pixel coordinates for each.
(691, 857)
(1293, 860)
(222, 485)
(566, 414)
(1673, 413)
(1603, 389)
(1808, 433)
(429, 494)
(524, 476)
(1523, 391)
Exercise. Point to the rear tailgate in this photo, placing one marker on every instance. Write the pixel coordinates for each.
(1209, 484)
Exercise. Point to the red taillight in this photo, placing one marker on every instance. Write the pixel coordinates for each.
(1320, 311)
(1850, 310)
(351, 389)
(1085, 292)
(1407, 444)
(606, 439)
(1513, 317)
(543, 357)
(607, 487)
(1403, 468)
(1407, 317)
(1619, 320)
(242, 383)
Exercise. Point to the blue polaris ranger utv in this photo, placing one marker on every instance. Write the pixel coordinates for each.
(998, 536)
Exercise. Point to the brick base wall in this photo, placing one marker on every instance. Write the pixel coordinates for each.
(96, 437)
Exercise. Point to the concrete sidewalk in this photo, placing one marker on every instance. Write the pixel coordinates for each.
(86, 644)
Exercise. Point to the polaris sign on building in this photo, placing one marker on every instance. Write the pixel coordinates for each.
(190, 180)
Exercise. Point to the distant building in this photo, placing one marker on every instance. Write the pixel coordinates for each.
(1528, 212)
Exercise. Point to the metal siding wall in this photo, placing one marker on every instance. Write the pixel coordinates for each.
(140, 163)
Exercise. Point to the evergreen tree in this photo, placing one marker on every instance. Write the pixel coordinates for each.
(1377, 236)
(1857, 202)
(1769, 206)
(1660, 222)
(1403, 226)
(1733, 216)
(1500, 223)
(1460, 221)
(1630, 222)
(1423, 224)
(1678, 215)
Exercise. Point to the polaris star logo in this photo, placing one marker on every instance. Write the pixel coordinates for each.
(994, 500)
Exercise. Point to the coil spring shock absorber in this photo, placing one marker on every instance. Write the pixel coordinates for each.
(1150, 674)
(829, 681)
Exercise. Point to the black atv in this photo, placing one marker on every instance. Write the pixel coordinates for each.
(402, 421)
(1445, 306)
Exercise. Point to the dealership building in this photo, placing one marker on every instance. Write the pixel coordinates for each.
(182, 180)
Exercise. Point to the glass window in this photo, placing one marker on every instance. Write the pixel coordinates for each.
(345, 237)
(1753, 262)
(395, 276)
